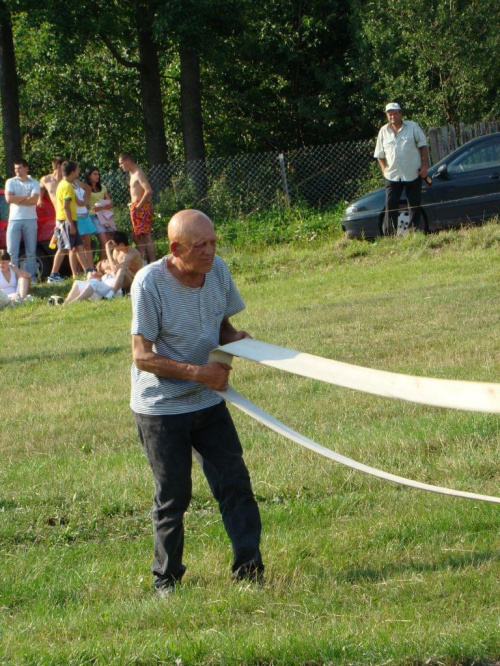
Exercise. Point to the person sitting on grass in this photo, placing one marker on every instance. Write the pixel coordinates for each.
(124, 261)
(14, 282)
(100, 283)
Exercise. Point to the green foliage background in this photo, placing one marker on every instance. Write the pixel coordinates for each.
(275, 74)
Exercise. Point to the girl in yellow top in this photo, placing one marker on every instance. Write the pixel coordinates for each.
(101, 208)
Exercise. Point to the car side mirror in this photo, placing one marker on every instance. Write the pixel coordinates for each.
(442, 172)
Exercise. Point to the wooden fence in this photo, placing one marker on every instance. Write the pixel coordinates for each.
(442, 140)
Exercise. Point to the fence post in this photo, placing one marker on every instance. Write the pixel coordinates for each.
(434, 145)
(286, 191)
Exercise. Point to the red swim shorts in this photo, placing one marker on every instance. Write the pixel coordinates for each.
(142, 219)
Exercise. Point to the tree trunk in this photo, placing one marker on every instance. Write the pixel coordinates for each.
(9, 93)
(192, 121)
(150, 82)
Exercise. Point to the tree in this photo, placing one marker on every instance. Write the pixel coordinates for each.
(9, 92)
(192, 120)
(148, 68)
(438, 58)
(79, 105)
(128, 33)
(279, 81)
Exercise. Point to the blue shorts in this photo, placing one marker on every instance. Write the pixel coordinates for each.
(85, 225)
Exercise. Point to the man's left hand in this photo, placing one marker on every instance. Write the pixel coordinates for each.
(239, 335)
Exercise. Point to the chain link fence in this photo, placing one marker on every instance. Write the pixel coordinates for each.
(318, 177)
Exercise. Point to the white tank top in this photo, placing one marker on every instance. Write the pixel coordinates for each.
(8, 286)
(80, 193)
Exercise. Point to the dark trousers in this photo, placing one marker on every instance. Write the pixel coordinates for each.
(167, 442)
(393, 191)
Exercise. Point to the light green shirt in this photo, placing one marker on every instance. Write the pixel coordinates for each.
(401, 150)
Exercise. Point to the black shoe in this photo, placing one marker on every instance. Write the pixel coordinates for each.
(164, 591)
(166, 586)
(252, 572)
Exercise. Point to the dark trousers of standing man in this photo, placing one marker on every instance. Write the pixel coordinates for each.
(167, 442)
(393, 191)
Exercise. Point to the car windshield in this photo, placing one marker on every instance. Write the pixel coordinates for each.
(486, 156)
(4, 208)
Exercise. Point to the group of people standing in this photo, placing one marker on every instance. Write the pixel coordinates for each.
(83, 207)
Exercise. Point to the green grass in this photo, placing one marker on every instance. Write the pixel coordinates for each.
(358, 571)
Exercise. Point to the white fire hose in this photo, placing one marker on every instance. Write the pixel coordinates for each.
(472, 396)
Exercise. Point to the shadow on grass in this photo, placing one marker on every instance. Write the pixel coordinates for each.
(379, 574)
(56, 356)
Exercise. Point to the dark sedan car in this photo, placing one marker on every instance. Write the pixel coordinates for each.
(465, 189)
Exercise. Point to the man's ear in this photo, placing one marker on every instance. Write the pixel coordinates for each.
(174, 248)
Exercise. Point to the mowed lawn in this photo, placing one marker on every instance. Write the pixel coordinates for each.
(358, 570)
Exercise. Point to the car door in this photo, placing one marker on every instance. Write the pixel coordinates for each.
(4, 214)
(468, 189)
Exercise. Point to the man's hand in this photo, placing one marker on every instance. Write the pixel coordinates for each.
(239, 335)
(110, 244)
(215, 375)
(422, 172)
(382, 164)
(72, 228)
(229, 334)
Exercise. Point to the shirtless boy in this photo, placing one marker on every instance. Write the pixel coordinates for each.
(49, 183)
(124, 261)
(141, 210)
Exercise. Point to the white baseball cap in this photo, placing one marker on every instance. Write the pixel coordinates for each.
(392, 107)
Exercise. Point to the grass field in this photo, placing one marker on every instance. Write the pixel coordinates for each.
(359, 571)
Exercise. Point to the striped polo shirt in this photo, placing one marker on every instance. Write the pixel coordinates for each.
(183, 324)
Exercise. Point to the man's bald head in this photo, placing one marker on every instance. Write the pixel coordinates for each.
(185, 225)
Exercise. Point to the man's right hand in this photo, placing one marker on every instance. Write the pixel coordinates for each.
(215, 375)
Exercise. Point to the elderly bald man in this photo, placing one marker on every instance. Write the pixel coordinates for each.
(181, 309)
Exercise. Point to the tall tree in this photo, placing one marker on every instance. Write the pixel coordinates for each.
(148, 68)
(9, 92)
(129, 34)
(192, 119)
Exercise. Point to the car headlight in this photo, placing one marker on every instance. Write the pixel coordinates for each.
(350, 210)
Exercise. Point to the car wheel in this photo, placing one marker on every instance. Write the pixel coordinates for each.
(424, 223)
(381, 223)
(43, 262)
(402, 225)
(403, 222)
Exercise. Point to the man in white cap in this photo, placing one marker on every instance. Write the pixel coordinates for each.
(403, 157)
